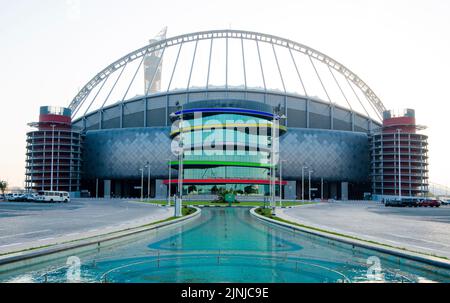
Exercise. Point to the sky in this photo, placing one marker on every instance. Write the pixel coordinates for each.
(50, 48)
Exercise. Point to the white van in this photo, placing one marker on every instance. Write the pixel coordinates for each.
(53, 196)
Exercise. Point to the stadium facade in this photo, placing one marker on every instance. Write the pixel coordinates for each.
(227, 132)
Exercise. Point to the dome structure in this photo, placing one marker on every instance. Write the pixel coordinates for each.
(231, 60)
(128, 115)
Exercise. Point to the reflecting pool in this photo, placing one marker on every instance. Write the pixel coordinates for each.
(227, 245)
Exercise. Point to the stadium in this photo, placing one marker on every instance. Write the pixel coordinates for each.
(121, 134)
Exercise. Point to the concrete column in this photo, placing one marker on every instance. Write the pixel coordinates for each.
(344, 191)
(160, 189)
(307, 112)
(145, 112)
(107, 189)
(326, 190)
(332, 117)
(290, 190)
(333, 191)
(118, 188)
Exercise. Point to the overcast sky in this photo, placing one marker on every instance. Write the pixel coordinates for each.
(50, 48)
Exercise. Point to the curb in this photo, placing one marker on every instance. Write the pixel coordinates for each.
(430, 260)
(77, 244)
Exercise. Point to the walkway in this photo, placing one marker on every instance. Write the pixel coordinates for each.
(25, 225)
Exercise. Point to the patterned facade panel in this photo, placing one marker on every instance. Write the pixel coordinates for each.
(333, 155)
(120, 153)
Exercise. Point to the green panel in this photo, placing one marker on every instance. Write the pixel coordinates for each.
(220, 163)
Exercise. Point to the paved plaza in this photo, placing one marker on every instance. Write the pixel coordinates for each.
(24, 225)
(419, 229)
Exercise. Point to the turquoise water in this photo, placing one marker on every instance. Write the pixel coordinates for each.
(229, 245)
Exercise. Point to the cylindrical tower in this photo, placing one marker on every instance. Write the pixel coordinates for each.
(53, 159)
(399, 156)
(228, 145)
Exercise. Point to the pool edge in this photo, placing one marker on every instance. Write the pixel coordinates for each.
(415, 256)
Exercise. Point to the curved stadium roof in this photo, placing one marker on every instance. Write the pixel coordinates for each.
(229, 59)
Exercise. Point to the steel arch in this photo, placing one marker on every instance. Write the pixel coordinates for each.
(234, 34)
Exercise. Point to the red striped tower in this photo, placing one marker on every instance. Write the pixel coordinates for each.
(399, 157)
(53, 159)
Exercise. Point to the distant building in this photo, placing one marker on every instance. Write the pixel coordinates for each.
(399, 157)
(153, 66)
(54, 152)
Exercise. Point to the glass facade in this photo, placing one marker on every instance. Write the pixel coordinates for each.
(240, 189)
(227, 172)
(225, 150)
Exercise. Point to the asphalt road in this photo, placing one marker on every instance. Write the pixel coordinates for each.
(418, 229)
(25, 224)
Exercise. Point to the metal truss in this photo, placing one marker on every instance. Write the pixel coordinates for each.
(230, 34)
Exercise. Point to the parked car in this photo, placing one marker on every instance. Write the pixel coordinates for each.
(16, 197)
(394, 203)
(430, 203)
(445, 202)
(401, 203)
(31, 197)
(411, 202)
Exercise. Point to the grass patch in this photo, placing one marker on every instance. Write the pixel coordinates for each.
(186, 211)
(266, 212)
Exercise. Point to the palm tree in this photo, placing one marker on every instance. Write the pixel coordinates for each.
(192, 188)
(222, 195)
(214, 190)
(3, 186)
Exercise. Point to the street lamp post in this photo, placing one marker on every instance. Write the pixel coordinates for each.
(149, 180)
(303, 182)
(53, 148)
(272, 163)
(275, 121)
(142, 183)
(96, 188)
(281, 182)
(399, 166)
(321, 189)
(170, 184)
(179, 199)
(309, 184)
